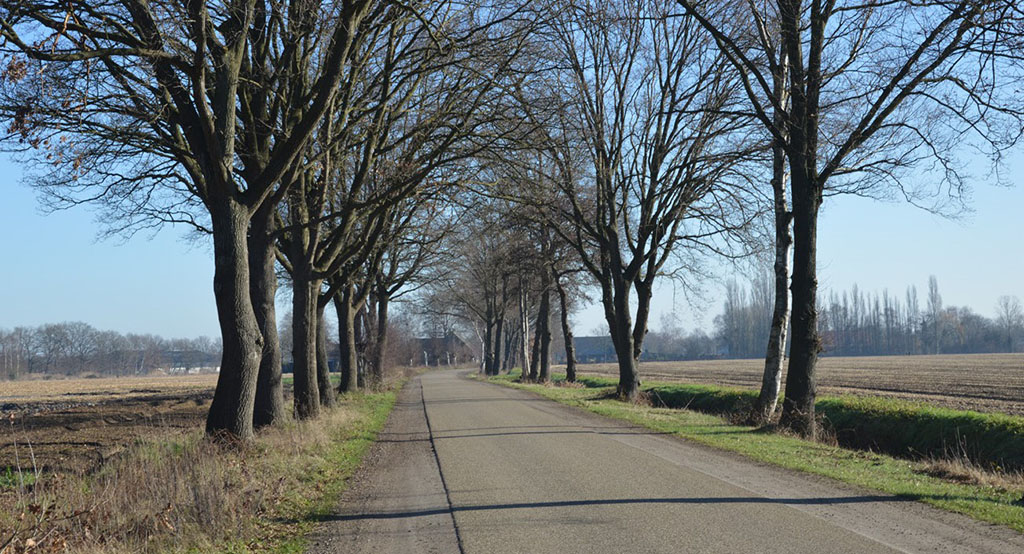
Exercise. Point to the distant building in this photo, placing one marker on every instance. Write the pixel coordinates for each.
(590, 350)
(601, 350)
(189, 362)
(447, 350)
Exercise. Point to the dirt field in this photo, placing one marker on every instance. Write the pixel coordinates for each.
(982, 382)
(72, 425)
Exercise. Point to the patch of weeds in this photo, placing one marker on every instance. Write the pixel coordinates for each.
(13, 478)
(184, 493)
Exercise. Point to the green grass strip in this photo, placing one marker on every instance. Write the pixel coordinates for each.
(328, 479)
(893, 426)
(900, 477)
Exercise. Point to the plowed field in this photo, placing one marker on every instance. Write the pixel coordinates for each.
(73, 425)
(981, 382)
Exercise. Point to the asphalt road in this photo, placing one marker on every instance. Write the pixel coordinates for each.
(465, 466)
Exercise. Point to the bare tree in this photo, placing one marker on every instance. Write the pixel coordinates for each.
(875, 88)
(648, 100)
(935, 314)
(1010, 318)
(137, 104)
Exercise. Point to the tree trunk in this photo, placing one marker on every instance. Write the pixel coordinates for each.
(644, 292)
(304, 331)
(508, 360)
(798, 405)
(771, 381)
(381, 344)
(535, 348)
(544, 333)
(360, 334)
(570, 348)
(524, 333)
(616, 300)
(499, 329)
(323, 369)
(231, 412)
(489, 341)
(347, 339)
(269, 403)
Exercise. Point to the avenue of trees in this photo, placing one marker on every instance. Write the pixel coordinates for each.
(503, 160)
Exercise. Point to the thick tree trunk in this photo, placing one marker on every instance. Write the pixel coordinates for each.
(798, 405)
(269, 403)
(771, 381)
(231, 412)
(380, 345)
(544, 334)
(489, 341)
(304, 331)
(347, 338)
(616, 300)
(499, 329)
(570, 348)
(644, 291)
(323, 369)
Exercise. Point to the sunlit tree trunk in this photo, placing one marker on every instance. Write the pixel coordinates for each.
(269, 403)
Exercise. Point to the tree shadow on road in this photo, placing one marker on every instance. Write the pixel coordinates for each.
(813, 501)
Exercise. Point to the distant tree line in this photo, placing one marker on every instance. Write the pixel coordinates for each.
(76, 348)
(862, 323)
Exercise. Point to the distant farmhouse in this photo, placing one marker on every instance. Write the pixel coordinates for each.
(590, 350)
(436, 351)
(601, 350)
(189, 362)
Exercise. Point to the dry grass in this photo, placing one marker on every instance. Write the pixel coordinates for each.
(962, 470)
(184, 492)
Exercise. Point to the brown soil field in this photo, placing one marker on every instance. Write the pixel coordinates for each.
(73, 425)
(980, 382)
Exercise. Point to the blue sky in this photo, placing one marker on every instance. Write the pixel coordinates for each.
(56, 270)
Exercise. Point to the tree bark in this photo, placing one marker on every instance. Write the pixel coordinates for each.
(570, 348)
(323, 368)
(616, 302)
(524, 333)
(489, 340)
(381, 343)
(360, 334)
(232, 409)
(544, 331)
(269, 403)
(535, 348)
(771, 381)
(508, 360)
(304, 331)
(347, 338)
(499, 329)
(798, 405)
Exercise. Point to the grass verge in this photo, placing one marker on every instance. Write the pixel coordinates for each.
(183, 493)
(892, 426)
(994, 503)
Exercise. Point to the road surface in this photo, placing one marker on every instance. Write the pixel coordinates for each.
(466, 466)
